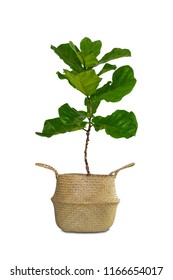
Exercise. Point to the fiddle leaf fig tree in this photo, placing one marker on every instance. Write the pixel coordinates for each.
(84, 76)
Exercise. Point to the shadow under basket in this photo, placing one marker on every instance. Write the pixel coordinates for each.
(85, 203)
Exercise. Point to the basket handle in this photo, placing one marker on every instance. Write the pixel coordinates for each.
(114, 173)
(48, 167)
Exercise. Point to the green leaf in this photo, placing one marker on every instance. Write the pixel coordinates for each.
(69, 115)
(123, 81)
(68, 55)
(52, 127)
(86, 81)
(88, 60)
(107, 67)
(87, 46)
(115, 53)
(120, 124)
(69, 120)
(56, 126)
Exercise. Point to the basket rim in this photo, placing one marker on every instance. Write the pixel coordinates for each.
(86, 175)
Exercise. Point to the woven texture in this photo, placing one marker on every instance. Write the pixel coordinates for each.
(85, 203)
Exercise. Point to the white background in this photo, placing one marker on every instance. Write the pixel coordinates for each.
(31, 92)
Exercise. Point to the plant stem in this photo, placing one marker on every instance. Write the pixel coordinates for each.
(88, 136)
(86, 146)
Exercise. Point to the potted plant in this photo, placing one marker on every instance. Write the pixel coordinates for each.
(88, 202)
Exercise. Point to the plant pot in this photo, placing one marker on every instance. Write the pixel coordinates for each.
(85, 203)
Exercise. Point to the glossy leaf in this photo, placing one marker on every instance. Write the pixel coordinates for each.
(107, 67)
(115, 53)
(68, 55)
(120, 124)
(56, 126)
(69, 115)
(86, 81)
(123, 81)
(87, 46)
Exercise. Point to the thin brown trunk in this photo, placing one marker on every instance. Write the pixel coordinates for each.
(89, 110)
(86, 147)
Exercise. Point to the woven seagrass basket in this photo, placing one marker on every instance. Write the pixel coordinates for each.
(85, 203)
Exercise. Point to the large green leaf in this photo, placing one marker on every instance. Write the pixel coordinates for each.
(107, 67)
(70, 115)
(87, 46)
(86, 81)
(68, 55)
(69, 120)
(56, 126)
(120, 124)
(123, 81)
(115, 53)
